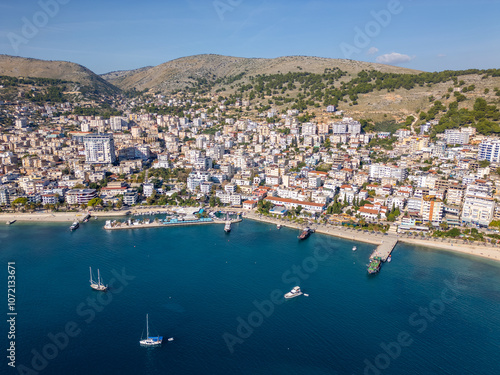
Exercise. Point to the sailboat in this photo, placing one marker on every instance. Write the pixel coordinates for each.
(151, 341)
(97, 286)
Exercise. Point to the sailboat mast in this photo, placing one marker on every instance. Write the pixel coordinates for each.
(98, 278)
(147, 326)
(90, 275)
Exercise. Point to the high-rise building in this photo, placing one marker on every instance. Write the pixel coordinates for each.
(99, 149)
(116, 123)
(489, 150)
(432, 209)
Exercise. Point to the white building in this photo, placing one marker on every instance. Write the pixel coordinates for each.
(414, 205)
(489, 150)
(432, 210)
(163, 161)
(148, 189)
(21, 123)
(309, 128)
(130, 197)
(292, 204)
(456, 137)
(478, 210)
(80, 196)
(379, 171)
(117, 123)
(99, 148)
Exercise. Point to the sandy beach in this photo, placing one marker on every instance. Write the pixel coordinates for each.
(475, 249)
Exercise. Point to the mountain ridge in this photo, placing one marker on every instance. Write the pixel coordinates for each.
(176, 74)
(16, 66)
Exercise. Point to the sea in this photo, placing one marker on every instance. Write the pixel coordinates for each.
(220, 297)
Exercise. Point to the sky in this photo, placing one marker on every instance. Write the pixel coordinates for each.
(106, 36)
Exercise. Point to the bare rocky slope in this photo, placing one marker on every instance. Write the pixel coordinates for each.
(14, 66)
(179, 73)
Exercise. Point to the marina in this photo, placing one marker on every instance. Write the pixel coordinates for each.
(169, 221)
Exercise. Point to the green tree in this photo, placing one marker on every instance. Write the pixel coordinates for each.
(95, 202)
(20, 201)
(484, 163)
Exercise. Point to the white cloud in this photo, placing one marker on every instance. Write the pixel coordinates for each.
(393, 58)
(372, 51)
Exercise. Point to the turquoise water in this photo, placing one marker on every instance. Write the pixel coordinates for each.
(198, 284)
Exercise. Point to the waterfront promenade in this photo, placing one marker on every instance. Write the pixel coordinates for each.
(456, 246)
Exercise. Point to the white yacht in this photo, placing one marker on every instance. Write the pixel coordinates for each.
(354, 248)
(295, 292)
(151, 340)
(227, 227)
(97, 285)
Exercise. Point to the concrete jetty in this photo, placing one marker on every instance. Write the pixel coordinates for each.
(156, 224)
(384, 250)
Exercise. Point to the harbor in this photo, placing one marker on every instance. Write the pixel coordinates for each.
(194, 218)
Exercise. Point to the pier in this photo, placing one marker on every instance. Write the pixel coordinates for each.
(161, 224)
(384, 250)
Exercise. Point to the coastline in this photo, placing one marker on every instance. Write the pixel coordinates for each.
(72, 216)
(476, 250)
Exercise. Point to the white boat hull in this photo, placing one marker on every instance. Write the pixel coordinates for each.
(100, 288)
(293, 295)
(152, 341)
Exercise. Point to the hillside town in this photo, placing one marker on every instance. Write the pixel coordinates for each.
(329, 170)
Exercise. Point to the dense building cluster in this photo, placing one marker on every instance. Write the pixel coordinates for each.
(330, 169)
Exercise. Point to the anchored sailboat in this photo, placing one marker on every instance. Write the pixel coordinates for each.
(97, 286)
(150, 341)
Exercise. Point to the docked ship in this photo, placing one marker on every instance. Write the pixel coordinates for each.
(97, 285)
(295, 292)
(305, 233)
(374, 265)
(86, 218)
(227, 227)
(10, 222)
(74, 226)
